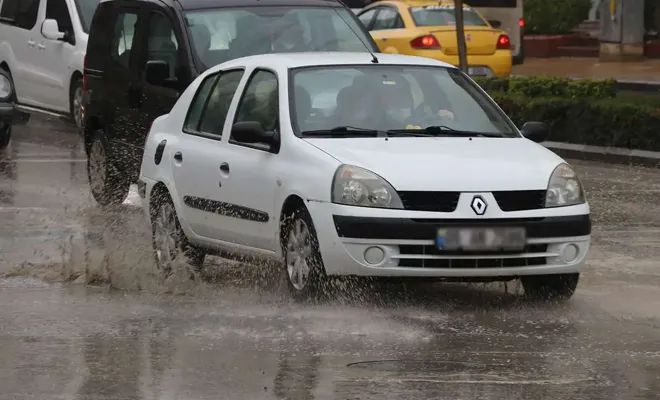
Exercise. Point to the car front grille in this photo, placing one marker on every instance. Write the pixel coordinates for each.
(429, 256)
(430, 201)
(520, 200)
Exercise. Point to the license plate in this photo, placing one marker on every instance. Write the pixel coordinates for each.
(482, 239)
(479, 71)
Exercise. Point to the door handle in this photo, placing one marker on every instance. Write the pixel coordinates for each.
(224, 167)
(178, 156)
(31, 43)
(41, 47)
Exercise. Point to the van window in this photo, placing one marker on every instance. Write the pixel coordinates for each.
(58, 10)
(21, 13)
(122, 41)
(223, 34)
(86, 9)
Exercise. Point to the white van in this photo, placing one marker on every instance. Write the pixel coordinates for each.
(42, 47)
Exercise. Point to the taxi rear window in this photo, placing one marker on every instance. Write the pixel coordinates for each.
(441, 15)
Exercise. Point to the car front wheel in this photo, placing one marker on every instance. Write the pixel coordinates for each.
(108, 184)
(170, 242)
(305, 272)
(550, 287)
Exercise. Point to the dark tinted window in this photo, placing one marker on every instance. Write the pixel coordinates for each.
(198, 103)
(162, 44)
(86, 9)
(228, 33)
(215, 112)
(124, 33)
(260, 101)
(22, 13)
(58, 10)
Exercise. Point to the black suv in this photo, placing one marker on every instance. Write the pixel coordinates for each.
(142, 54)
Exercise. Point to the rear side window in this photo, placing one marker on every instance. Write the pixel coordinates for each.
(444, 16)
(387, 18)
(123, 36)
(20, 13)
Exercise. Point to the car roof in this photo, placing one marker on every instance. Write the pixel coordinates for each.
(202, 4)
(298, 60)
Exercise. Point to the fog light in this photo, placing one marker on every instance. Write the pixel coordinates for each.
(374, 255)
(570, 253)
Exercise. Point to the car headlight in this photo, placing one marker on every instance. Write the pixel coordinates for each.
(564, 188)
(5, 87)
(355, 186)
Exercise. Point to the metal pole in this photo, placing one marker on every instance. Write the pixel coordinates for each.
(460, 35)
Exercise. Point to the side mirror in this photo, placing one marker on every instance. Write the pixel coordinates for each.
(50, 30)
(251, 132)
(536, 131)
(495, 23)
(157, 72)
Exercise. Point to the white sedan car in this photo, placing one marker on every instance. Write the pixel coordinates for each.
(341, 164)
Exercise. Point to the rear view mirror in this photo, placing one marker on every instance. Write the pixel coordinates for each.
(157, 72)
(495, 23)
(536, 131)
(251, 132)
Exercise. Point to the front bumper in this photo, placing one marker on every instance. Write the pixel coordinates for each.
(555, 244)
(10, 115)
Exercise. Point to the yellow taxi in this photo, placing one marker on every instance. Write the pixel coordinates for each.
(428, 29)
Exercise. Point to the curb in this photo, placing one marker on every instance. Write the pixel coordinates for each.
(613, 155)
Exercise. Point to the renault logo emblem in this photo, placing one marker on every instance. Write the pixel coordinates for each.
(479, 205)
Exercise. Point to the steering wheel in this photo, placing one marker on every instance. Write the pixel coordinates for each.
(423, 115)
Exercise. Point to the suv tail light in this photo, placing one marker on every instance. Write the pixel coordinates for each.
(521, 23)
(503, 42)
(84, 86)
(425, 42)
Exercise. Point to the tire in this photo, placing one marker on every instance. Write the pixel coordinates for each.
(5, 136)
(108, 183)
(550, 287)
(303, 266)
(75, 103)
(169, 241)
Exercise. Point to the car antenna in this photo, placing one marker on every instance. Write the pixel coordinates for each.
(374, 59)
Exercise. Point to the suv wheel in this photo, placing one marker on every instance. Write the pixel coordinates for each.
(76, 103)
(108, 184)
(5, 135)
(305, 273)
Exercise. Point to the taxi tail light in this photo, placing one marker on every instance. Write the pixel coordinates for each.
(425, 42)
(503, 42)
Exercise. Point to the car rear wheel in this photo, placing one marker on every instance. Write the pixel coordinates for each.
(5, 135)
(108, 184)
(76, 103)
(550, 287)
(305, 273)
(170, 242)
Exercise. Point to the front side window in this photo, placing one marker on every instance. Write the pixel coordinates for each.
(162, 44)
(198, 103)
(386, 98)
(59, 11)
(217, 106)
(20, 13)
(86, 10)
(228, 33)
(122, 41)
(260, 101)
(444, 16)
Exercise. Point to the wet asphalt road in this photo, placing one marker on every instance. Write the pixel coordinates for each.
(235, 335)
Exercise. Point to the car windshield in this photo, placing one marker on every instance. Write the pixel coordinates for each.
(86, 9)
(223, 34)
(444, 16)
(338, 101)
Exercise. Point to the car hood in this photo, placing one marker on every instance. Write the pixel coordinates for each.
(451, 164)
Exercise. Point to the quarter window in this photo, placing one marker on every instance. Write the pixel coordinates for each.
(21, 13)
(123, 37)
(197, 105)
(217, 107)
(260, 101)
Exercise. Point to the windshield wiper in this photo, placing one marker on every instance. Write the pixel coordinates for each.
(345, 131)
(441, 130)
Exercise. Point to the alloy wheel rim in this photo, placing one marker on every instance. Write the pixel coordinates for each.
(165, 237)
(97, 167)
(299, 251)
(77, 106)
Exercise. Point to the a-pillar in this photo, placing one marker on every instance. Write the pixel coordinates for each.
(621, 30)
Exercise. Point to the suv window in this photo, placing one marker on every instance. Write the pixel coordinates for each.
(222, 34)
(21, 13)
(162, 44)
(58, 10)
(260, 101)
(122, 41)
(217, 107)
